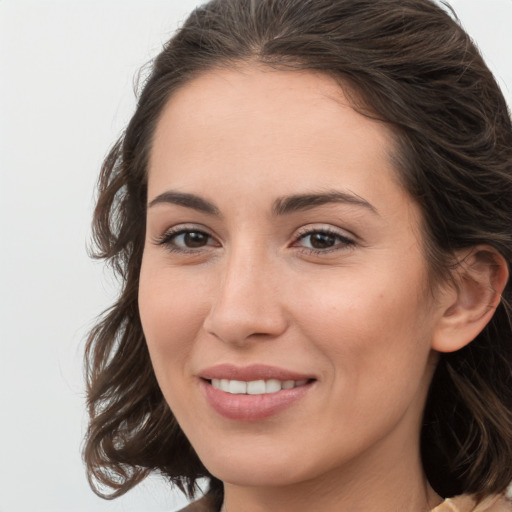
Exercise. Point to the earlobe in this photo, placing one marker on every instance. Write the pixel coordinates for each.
(468, 305)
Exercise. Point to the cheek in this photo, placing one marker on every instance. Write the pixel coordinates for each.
(172, 313)
(374, 330)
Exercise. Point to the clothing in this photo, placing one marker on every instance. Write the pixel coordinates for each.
(463, 503)
(205, 504)
(466, 503)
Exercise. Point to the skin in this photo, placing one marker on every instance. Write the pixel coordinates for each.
(357, 315)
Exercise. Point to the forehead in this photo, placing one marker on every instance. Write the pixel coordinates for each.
(298, 116)
(243, 138)
(258, 91)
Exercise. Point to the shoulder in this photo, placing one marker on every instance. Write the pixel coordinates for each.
(205, 504)
(494, 504)
(467, 503)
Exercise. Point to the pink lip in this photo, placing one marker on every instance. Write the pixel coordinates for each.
(252, 407)
(252, 372)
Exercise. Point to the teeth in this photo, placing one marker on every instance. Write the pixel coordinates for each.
(273, 386)
(288, 384)
(237, 387)
(255, 387)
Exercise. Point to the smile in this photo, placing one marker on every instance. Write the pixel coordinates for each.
(255, 387)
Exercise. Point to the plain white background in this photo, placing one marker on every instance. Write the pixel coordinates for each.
(66, 92)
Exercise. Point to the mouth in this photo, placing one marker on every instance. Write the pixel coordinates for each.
(256, 387)
(253, 393)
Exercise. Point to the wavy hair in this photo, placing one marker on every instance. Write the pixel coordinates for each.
(408, 63)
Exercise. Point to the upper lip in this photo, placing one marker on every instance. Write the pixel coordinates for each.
(251, 372)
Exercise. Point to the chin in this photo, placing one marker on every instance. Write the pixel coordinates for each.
(250, 474)
(258, 466)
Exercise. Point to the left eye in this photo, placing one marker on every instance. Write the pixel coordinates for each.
(323, 240)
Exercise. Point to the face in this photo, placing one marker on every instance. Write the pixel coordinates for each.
(283, 283)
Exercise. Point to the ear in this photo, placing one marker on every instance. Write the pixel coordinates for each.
(467, 305)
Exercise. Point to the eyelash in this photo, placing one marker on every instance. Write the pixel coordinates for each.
(166, 240)
(343, 242)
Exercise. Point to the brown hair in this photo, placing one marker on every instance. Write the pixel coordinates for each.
(410, 65)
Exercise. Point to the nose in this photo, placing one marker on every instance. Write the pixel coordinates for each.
(247, 303)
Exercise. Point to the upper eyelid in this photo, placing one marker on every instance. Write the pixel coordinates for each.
(308, 228)
(178, 229)
(298, 234)
(322, 228)
(187, 227)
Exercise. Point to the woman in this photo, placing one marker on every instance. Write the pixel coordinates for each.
(311, 213)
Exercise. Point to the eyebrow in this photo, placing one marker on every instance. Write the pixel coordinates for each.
(299, 202)
(282, 206)
(186, 200)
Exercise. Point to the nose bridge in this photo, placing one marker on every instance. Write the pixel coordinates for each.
(247, 300)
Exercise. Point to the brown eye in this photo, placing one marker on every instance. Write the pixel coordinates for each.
(322, 240)
(184, 240)
(193, 239)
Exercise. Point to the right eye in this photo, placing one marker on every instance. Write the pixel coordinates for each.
(186, 240)
(191, 239)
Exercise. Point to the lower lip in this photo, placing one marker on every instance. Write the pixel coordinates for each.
(252, 407)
